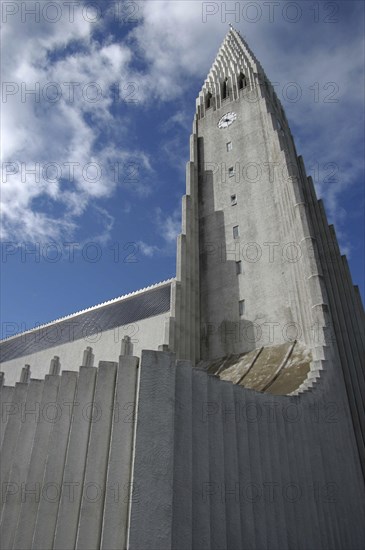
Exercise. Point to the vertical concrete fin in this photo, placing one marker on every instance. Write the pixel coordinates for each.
(49, 414)
(201, 409)
(183, 449)
(248, 539)
(6, 404)
(126, 347)
(13, 414)
(20, 463)
(92, 505)
(88, 357)
(55, 365)
(54, 470)
(25, 375)
(217, 485)
(75, 462)
(118, 483)
(151, 509)
(231, 495)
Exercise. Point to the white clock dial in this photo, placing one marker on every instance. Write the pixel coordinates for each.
(227, 120)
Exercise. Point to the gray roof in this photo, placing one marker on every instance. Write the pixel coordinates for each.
(113, 314)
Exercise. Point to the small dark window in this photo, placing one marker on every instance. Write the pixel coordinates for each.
(238, 267)
(242, 81)
(233, 200)
(236, 232)
(208, 102)
(241, 307)
(224, 89)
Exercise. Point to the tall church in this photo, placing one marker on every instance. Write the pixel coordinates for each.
(226, 409)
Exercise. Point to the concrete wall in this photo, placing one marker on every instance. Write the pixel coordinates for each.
(222, 467)
(66, 458)
(169, 457)
(146, 333)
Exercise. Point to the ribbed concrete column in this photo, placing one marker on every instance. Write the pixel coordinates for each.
(20, 463)
(277, 468)
(295, 489)
(151, 511)
(181, 278)
(245, 478)
(92, 504)
(183, 449)
(201, 409)
(74, 472)
(217, 488)
(6, 399)
(315, 465)
(29, 506)
(13, 412)
(351, 325)
(265, 462)
(231, 467)
(356, 305)
(53, 475)
(252, 414)
(118, 483)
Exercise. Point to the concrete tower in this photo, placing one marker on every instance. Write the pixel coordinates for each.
(258, 273)
(258, 266)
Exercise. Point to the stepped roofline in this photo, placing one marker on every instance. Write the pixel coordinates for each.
(234, 61)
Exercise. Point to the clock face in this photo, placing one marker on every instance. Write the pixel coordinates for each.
(227, 120)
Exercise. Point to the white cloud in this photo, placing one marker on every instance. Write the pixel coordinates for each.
(174, 46)
(61, 124)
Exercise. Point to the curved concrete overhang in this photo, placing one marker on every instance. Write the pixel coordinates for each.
(278, 370)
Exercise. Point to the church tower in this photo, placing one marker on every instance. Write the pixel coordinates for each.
(247, 244)
(258, 266)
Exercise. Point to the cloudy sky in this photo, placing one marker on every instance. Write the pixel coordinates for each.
(97, 106)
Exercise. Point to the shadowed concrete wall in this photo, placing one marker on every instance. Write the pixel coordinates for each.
(202, 464)
(220, 466)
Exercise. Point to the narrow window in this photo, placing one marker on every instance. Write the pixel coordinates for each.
(241, 307)
(242, 81)
(231, 172)
(238, 267)
(208, 102)
(233, 200)
(236, 232)
(224, 89)
(229, 146)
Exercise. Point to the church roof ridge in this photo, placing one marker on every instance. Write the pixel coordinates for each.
(91, 308)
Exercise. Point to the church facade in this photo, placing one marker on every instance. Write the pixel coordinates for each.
(243, 375)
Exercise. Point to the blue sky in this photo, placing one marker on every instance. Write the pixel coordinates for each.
(109, 123)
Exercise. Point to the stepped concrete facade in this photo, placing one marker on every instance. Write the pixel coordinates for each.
(227, 407)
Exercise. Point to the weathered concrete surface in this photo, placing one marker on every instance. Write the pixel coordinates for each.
(34, 476)
(92, 505)
(205, 463)
(281, 369)
(118, 483)
(154, 452)
(74, 471)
